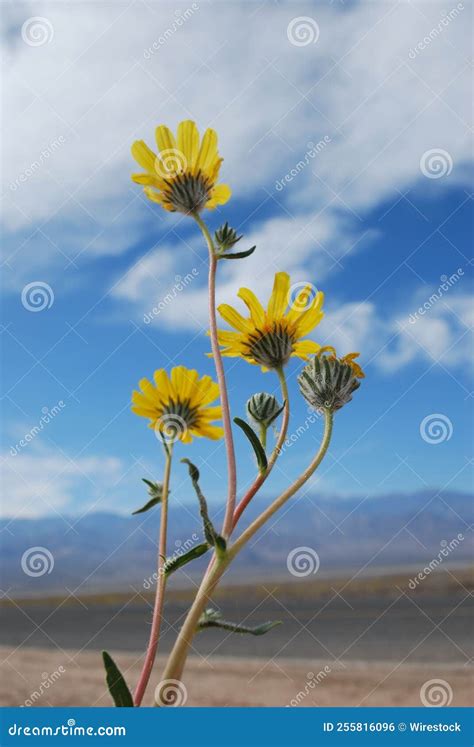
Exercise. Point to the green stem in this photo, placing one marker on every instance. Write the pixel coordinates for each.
(177, 659)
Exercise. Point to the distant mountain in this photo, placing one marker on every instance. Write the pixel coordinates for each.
(105, 551)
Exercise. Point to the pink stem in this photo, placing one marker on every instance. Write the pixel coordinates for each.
(160, 590)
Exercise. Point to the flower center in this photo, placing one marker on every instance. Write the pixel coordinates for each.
(188, 193)
(271, 348)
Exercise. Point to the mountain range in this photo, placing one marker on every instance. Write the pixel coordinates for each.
(107, 551)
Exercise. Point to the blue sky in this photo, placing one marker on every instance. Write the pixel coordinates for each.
(377, 219)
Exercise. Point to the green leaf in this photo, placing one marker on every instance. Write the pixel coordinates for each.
(238, 255)
(213, 619)
(147, 506)
(115, 682)
(255, 442)
(177, 561)
(155, 489)
(212, 537)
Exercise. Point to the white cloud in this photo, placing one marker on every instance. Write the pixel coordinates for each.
(93, 86)
(39, 480)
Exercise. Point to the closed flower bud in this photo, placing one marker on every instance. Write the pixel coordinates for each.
(263, 408)
(328, 382)
(226, 237)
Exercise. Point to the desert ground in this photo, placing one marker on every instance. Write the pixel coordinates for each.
(370, 642)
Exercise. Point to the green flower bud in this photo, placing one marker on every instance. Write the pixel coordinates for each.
(263, 408)
(328, 382)
(226, 237)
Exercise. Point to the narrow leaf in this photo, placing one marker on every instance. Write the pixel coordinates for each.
(213, 619)
(152, 502)
(255, 442)
(212, 537)
(177, 561)
(115, 682)
(238, 255)
(155, 489)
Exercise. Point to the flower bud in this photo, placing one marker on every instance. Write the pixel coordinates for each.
(328, 382)
(263, 408)
(226, 237)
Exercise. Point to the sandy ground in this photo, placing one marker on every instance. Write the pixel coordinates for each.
(41, 677)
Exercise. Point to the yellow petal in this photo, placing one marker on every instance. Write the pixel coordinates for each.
(308, 321)
(233, 318)
(165, 138)
(209, 431)
(211, 413)
(304, 348)
(162, 384)
(219, 196)
(254, 306)
(279, 298)
(188, 141)
(208, 151)
(206, 391)
(144, 156)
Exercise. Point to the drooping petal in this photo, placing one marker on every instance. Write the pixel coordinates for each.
(232, 317)
(144, 156)
(256, 309)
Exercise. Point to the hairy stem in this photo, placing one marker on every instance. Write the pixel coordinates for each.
(160, 586)
(260, 479)
(229, 441)
(177, 659)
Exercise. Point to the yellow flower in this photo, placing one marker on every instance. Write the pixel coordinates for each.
(184, 174)
(348, 360)
(177, 406)
(270, 338)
